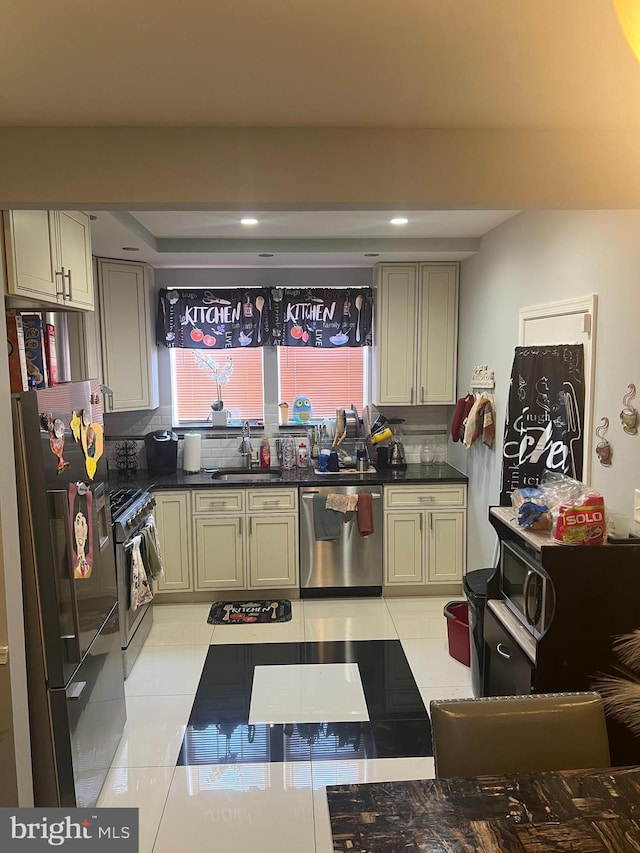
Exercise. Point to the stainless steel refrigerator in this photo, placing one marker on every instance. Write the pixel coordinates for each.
(74, 659)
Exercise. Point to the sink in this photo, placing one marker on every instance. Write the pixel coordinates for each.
(247, 475)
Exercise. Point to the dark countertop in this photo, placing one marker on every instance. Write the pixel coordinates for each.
(414, 474)
(580, 810)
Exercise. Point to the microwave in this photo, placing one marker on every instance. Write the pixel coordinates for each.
(526, 588)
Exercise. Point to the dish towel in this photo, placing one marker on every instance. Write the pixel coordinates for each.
(326, 522)
(365, 514)
(150, 555)
(140, 592)
(342, 503)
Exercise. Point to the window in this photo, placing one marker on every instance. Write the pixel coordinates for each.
(194, 388)
(330, 378)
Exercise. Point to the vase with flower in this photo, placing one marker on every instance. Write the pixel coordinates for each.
(221, 375)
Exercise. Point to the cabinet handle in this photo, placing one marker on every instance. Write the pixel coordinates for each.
(67, 275)
(59, 272)
(240, 529)
(429, 498)
(412, 393)
(218, 503)
(430, 521)
(422, 395)
(250, 526)
(421, 523)
(503, 651)
(271, 503)
(111, 400)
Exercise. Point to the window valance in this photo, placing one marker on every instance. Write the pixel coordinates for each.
(255, 317)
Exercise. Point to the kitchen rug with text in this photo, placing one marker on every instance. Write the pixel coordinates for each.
(246, 612)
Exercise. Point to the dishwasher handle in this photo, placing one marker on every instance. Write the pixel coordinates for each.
(374, 495)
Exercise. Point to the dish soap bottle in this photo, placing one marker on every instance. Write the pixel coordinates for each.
(303, 455)
(265, 453)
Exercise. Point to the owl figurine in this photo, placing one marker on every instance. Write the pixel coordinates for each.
(302, 409)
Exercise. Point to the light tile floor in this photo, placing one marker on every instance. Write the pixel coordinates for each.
(258, 807)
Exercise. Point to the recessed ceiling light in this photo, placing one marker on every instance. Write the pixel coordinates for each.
(248, 221)
(265, 255)
(399, 220)
(130, 249)
(371, 255)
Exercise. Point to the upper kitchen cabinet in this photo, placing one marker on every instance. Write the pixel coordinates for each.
(49, 257)
(416, 334)
(129, 353)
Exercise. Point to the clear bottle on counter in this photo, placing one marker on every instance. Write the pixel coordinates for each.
(427, 452)
(288, 454)
(303, 455)
(441, 450)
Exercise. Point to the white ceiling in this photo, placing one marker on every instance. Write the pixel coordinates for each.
(365, 63)
(294, 238)
(476, 64)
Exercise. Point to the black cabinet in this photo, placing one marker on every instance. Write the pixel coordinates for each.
(508, 671)
(597, 595)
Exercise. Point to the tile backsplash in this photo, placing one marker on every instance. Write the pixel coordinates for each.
(221, 448)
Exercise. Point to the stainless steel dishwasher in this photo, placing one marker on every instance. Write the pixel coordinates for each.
(351, 564)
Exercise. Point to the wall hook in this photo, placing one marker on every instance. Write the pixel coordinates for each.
(629, 415)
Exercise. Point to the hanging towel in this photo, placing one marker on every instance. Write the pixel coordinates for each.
(342, 503)
(460, 415)
(141, 592)
(150, 524)
(365, 514)
(470, 430)
(151, 558)
(326, 522)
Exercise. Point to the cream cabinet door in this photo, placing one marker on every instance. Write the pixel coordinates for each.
(31, 250)
(437, 334)
(172, 514)
(447, 550)
(395, 338)
(404, 547)
(75, 258)
(219, 551)
(129, 357)
(272, 550)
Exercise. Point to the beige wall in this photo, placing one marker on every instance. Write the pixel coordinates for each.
(532, 259)
(292, 167)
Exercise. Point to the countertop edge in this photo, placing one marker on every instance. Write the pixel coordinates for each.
(413, 475)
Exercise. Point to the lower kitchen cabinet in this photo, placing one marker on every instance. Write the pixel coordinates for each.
(173, 520)
(239, 539)
(404, 558)
(424, 546)
(446, 546)
(272, 550)
(219, 550)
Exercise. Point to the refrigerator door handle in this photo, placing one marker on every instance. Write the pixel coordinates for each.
(71, 641)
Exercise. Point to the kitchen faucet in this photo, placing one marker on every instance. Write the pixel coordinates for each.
(245, 444)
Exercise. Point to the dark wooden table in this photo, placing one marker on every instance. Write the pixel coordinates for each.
(587, 811)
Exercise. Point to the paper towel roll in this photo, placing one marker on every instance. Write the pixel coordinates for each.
(191, 453)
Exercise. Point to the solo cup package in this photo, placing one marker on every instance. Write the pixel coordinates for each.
(583, 524)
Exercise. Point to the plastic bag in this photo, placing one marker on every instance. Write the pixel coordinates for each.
(530, 505)
(577, 511)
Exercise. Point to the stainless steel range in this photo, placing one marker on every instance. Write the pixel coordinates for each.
(130, 509)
